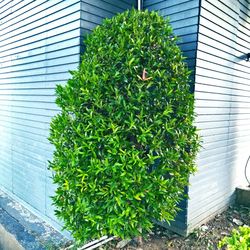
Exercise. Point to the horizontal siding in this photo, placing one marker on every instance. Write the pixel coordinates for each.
(222, 93)
(40, 43)
(93, 12)
(183, 15)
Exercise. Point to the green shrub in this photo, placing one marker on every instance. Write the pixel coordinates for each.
(125, 141)
(239, 240)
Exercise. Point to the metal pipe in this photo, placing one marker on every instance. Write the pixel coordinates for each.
(139, 4)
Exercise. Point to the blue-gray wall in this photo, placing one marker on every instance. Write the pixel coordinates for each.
(94, 11)
(222, 93)
(215, 37)
(184, 17)
(40, 42)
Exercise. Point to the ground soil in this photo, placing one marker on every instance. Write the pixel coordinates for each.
(204, 238)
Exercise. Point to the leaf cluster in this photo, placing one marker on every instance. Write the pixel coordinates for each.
(125, 142)
(239, 240)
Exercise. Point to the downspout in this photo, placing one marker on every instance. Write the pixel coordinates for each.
(139, 4)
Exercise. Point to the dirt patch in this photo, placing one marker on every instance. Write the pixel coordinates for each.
(204, 238)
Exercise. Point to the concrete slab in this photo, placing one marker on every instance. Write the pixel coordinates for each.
(243, 196)
(8, 241)
(17, 231)
(24, 228)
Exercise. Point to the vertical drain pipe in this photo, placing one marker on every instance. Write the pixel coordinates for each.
(139, 4)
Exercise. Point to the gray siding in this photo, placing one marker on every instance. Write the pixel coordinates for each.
(40, 42)
(184, 16)
(94, 11)
(222, 93)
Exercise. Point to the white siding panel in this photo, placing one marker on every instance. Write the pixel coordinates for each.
(222, 93)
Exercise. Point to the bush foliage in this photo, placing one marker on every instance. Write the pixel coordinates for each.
(125, 140)
(239, 240)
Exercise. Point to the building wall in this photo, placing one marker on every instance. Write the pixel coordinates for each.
(40, 41)
(184, 17)
(215, 37)
(94, 11)
(222, 93)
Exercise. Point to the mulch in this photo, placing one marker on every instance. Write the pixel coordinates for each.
(205, 237)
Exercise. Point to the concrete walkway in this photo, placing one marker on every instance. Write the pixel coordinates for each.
(14, 236)
(8, 241)
(21, 230)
